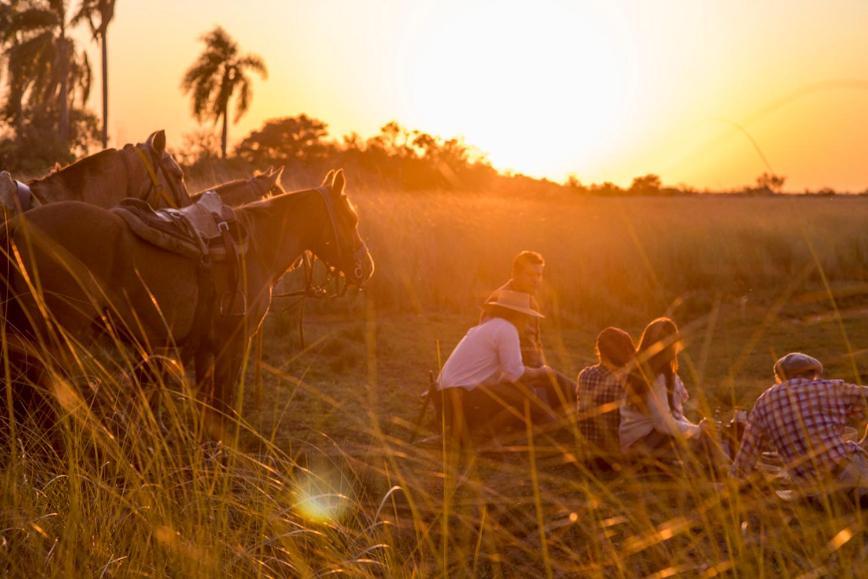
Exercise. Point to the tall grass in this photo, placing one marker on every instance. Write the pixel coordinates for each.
(129, 482)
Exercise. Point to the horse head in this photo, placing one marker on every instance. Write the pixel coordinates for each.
(241, 191)
(165, 185)
(341, 247)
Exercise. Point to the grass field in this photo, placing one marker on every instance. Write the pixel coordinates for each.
(322, 480)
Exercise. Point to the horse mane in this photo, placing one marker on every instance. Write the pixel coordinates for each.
(75, 174)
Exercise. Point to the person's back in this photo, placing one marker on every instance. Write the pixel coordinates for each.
(803, 420)
(600, 390)
(487, 354)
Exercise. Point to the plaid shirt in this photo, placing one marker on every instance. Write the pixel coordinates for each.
(802, 420)
(599, 394)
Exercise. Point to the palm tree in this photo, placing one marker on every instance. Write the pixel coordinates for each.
(215, 77)
(44, 68)
(104, 9)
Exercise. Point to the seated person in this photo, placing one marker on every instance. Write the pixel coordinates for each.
(803, 417)
(600, 390)
(652, 416)
(527, 276)
(486, 364)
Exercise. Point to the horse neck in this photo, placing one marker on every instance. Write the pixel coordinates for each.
(97, 179)
(284, 228)
(237, 192)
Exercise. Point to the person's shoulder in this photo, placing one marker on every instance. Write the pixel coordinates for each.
(499, 326)
(592, 371)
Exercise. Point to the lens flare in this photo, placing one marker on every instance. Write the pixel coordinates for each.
(322, 497)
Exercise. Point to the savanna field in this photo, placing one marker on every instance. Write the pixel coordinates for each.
(320, 477)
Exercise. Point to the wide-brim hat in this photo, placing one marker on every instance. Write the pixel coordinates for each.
(515, 301)
(796, 364)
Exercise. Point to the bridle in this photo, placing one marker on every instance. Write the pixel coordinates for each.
(157, 192)
(308, 262)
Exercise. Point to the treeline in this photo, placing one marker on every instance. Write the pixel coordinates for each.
(46, 79)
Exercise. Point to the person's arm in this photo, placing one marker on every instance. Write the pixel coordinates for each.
(661, 413)
(509, 353)
(856, 398)
(749, 451)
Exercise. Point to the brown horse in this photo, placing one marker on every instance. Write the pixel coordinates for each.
(241, 191)
(143, 171)
(78, 267)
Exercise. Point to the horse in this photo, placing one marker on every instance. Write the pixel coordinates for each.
(241, 191)
(78, 267)
(143, 171)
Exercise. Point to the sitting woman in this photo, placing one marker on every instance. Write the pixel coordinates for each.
(652, 416)
(484, 378)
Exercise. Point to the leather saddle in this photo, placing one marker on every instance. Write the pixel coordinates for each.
(203, 230)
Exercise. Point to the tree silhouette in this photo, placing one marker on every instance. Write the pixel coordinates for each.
(286, 139)
(217, 75)
(646, 184)
(770, 183)
(45, 71)
(89, 10)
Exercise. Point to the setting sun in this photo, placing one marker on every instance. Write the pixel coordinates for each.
(603, 90)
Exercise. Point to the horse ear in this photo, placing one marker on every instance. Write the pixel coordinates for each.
(57, 167)
(279, 173)
(327, 182)
(157, 141)
(272, 177)
(339, 183)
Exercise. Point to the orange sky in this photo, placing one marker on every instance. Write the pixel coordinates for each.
(606, 90)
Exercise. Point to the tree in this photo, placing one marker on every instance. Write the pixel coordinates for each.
(105, 10)
(770, 183)
(285, 139)
(45, 70)
(218, 74)
(646, 184)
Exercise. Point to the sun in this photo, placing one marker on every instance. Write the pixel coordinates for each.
(538, 88)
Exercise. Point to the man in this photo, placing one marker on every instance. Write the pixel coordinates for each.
(600, 390)
(527, 275)
(486, 367)
(803, 418)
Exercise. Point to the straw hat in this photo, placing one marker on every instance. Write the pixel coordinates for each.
(513, 300)
(797, 364)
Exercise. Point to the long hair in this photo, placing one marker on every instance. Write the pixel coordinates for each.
(657, 355)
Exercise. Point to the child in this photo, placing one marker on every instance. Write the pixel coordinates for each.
(600, 389)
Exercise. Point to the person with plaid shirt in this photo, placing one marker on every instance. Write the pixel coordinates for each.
(600, 389)
(803, 417)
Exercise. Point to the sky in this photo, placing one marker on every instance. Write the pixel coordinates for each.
(707, 93)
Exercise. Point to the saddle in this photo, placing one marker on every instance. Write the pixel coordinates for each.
(207, 229)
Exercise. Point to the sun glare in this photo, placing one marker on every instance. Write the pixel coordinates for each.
(542, 89)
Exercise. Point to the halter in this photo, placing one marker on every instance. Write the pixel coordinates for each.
(156, 186)
(325, 193)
